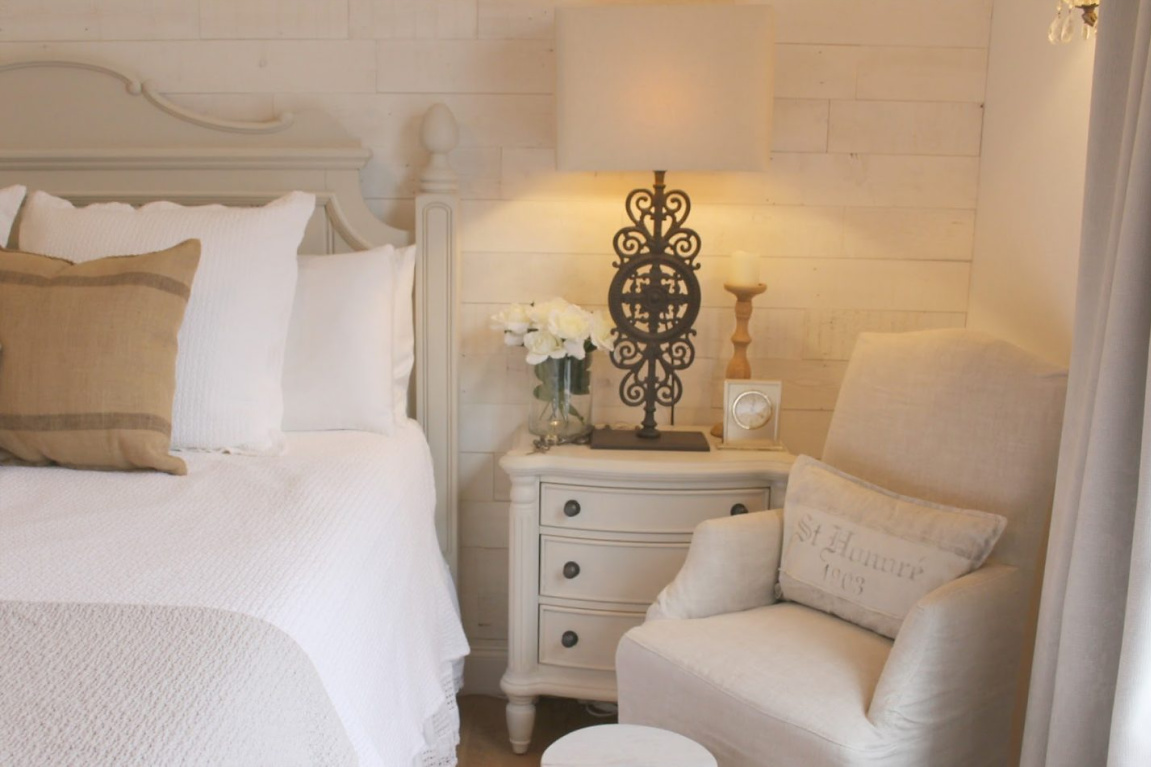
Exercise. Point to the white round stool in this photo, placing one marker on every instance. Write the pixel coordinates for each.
(626, 745)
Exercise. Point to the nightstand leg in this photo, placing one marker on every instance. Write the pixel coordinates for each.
(521, 720)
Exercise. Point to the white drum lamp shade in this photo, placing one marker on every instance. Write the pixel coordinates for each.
(664, 87)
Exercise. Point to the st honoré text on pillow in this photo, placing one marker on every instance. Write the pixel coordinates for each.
(836, 546)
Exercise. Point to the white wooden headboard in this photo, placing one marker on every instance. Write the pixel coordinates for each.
(89, 132)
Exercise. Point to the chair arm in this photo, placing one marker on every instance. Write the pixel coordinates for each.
(732, 565)
(957, 652)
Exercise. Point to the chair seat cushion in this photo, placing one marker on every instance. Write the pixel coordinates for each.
(777, 685)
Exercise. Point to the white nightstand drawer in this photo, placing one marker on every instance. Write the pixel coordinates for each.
(592, 636)
(642, 511)
(607, 571)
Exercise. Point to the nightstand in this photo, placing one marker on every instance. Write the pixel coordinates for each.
(594, 536)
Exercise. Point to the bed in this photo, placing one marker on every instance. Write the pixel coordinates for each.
(281, 609)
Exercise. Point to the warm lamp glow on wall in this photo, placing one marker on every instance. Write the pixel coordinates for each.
(660, 88)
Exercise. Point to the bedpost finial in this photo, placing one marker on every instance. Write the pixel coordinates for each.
(440, 134)
(439, 130)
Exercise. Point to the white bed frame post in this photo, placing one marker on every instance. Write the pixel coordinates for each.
(437, 289)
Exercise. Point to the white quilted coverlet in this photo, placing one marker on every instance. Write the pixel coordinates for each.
(332, 542)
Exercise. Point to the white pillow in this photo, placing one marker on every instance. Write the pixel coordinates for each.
(867, 554)
(10, 199)
(404, 329)
(351, 344)
(231, 358)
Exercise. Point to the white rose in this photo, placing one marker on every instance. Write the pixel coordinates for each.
(512, 319)
(573, 348)
(541, 345)
(601, 329)
(570, 323)
(541, 311)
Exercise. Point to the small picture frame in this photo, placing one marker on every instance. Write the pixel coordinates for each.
(751, 414)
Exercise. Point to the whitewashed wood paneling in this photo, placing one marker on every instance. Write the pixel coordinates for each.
(483, 588)
(90, 20)
(796, 283)
(245, 107)
(516, 19)
(804, 431)
(909, 233)
(228, 66)
(586, 226)
(485, 523)
(466, 66)
(816, 71)
(413, 19)
(866, 180)
(255, 19)
(831, 333)
(796, 178)
(799, 125)
(901, 127)
(475, 477)
(884, 22)
(923, 74)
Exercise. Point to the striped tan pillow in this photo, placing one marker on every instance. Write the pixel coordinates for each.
(88, 358)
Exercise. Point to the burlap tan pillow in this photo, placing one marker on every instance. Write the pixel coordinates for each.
(88, 358)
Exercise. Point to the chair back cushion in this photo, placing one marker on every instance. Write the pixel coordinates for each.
(958, 418)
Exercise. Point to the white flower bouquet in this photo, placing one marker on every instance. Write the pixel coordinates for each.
(553, 329)
(559, 337)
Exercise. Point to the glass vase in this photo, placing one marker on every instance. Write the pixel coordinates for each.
(560, 409)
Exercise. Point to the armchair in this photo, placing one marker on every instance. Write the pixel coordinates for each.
(953, 417)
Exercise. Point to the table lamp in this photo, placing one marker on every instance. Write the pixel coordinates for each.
(660, 88)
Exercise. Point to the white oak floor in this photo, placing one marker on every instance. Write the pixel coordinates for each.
(484, 735)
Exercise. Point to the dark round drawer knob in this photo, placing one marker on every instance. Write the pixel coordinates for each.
(571, 508)
(738, 508)
(571, 570)
(569, 639)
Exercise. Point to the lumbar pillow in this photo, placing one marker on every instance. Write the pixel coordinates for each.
(10, 199)
(228, 375)
(868, 555)
(351, 343)
(88, 358)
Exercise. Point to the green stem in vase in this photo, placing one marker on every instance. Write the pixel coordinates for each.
(560, 382)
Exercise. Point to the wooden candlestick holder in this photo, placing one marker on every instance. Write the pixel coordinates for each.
(739, 368)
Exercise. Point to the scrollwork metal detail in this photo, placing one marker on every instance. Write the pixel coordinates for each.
(654, 299)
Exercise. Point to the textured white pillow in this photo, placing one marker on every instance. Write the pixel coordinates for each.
(231, 359)
(351, 345)
(867, 554)
(10, 199)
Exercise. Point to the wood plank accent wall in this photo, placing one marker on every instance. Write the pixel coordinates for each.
(865, 219)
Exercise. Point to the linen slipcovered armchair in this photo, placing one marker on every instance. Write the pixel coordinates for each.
(953, 417)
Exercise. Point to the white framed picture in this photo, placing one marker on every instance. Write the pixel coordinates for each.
(751, 414)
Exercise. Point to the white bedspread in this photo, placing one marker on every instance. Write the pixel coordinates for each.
(333, 543)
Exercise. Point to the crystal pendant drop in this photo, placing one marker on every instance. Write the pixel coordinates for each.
(1056, 25)
(1068, 31)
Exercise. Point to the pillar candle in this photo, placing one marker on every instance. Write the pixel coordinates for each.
(744, 269)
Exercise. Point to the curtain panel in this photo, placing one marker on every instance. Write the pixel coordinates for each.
(1090, 694)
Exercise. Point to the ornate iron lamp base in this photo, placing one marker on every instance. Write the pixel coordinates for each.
(654, 300)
